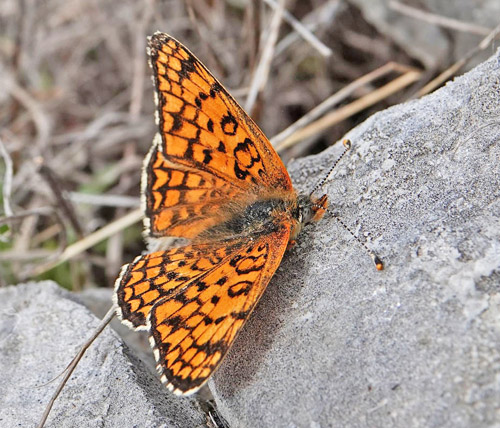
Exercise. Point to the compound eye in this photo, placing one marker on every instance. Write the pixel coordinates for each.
(299, 216)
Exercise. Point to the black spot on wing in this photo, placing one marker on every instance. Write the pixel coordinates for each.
(222, 280)
(240, 173)
(177, 122)
(210, 125)
(215, 89)
(219, 320)
(222, 147)
(207, 156)
(171, 275)
(228, 124)
(201, 286)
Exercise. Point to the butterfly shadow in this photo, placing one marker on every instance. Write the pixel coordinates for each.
(247, 357)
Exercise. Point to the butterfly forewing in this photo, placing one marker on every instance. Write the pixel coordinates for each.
(183, 201)
(202, 130)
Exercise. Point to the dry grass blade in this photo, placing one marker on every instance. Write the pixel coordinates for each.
(409, 77)
(302, 30)
(262, 71)
(67, 209)
(7, 180)
(320, 18)
(27, 213)
(442, 21)
(104, 200)
(23, 254)
(39, 117)
(91, 240)
(139, 66)
(71, 367)
(334, 99)
(46, 234)
(451, 71)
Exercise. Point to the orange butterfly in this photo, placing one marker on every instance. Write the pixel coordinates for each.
(213, 178)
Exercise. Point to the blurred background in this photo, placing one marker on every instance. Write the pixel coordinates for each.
(76, 101)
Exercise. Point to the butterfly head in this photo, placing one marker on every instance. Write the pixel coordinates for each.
(307, 210)
(311, 209)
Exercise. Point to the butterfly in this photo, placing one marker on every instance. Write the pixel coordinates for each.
(213, 180)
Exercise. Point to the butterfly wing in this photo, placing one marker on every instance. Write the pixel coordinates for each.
(208, 165)
(193, 321)
(152, 277)
(182, 201)
(209, 151)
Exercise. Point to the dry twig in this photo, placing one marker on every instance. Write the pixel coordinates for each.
(442, 21)
(262, 71)
(302, 30)
(91, 240)
(303, 128)
(7, 180)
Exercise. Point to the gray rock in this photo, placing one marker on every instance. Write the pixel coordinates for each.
(335, 343)
(99, 300)
(41, 329)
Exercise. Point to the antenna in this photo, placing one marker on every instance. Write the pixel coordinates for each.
(379, 264)
(376, 259)
(347, 145)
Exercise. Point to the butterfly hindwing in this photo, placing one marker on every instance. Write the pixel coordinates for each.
(192, 329)
(152, 277)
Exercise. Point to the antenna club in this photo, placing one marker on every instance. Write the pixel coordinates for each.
(379, 264)
(347, 144)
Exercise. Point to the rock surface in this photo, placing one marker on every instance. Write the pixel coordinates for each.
(333, 341)
(99, 300)
(336, 343)
(41, 329)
